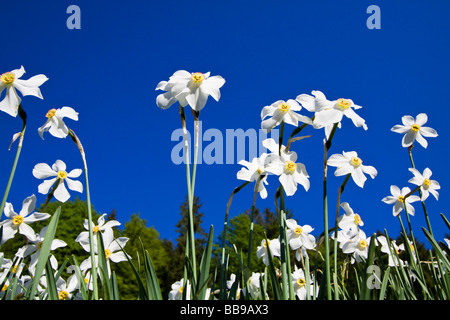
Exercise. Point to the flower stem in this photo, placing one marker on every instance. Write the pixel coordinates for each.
(88, 198)
(23, 116)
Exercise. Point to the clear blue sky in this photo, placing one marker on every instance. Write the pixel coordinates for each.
(266, 51)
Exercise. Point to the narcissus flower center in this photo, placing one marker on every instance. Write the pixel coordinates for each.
(284, 107)
(107, 253)
(357, 219)
(427, 182)
(95, 229)
(301, 282)
(8, 77)
(344, 103)
(290, 166)
(198, 77)
(180, 289)
(63, 295)
(260, 170)
(401, 198)
(363, 244)
(62, 174)
(415, 127)
(356, 161)
(50, 113)
(17, 220)
(266, 243)
(298, 230)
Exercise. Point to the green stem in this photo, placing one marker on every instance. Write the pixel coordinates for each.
(420, 193)
(23, 116)
(90, 223)
(327, 145)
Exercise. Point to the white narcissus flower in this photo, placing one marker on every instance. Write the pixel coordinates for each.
(254, 286)
(289, 171)
(327, 112)
(358, 245)
(427, 185)
(299, 236)
(399, 201)
(350, 163)
(19, 221)
(392, 251)
(189, 88)
(55, 124)
(34, 248)
(177, 290)
(11, 81)
(282, 111)
(66, 289)
(58, 171)
(414, 130)
(299, 284)
(102, 226)
(263, 250)
(350, 220)
(255, 171)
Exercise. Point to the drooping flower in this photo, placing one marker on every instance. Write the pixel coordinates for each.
(327, 112)
(289, 171)
(414, 130)
(350, 220)
(19, 221)
(55, 124)
(255, 172)
(11, 82)
(58, 171)
(299, 236)
(263, 250)
(254, 286)
(399, 201)
(189, 88)
(282, 111)
(350, 163)
(427, 185)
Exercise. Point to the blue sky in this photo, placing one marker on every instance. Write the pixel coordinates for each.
(266, 51)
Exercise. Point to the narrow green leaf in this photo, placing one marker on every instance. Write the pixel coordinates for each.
(205, 263)
(52, 292)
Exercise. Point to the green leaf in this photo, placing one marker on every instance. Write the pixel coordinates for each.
(205, 263)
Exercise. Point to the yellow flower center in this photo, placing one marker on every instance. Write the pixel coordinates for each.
(290, 166)
(17, 220)
(284, 107)
(401, 198)
(415, 127)
(412, 247)
(198, 77)
(14, 269)
(62, 174)
(301, 282)
(344, 103)
(107, 253)
(363, 244)
(298, 230)
(427, 182)
(63, 295)
(8, 77)
(5, 286)
(358, 219)
(180, 289)
(50, 113)
(86, 280)
(266, 243)
(259, 170)
(356, 161)
(95, 229)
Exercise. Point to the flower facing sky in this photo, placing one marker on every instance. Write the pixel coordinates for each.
(299, 236)
(10, 81)
(399, 201)
(414, 130)
(19, 221)
(103, 226)
(327, 112)
(282, 111)
(55, 124)
(358, 246)
(189, 88)
(350, 163)
(58, 174)
(423, 180)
